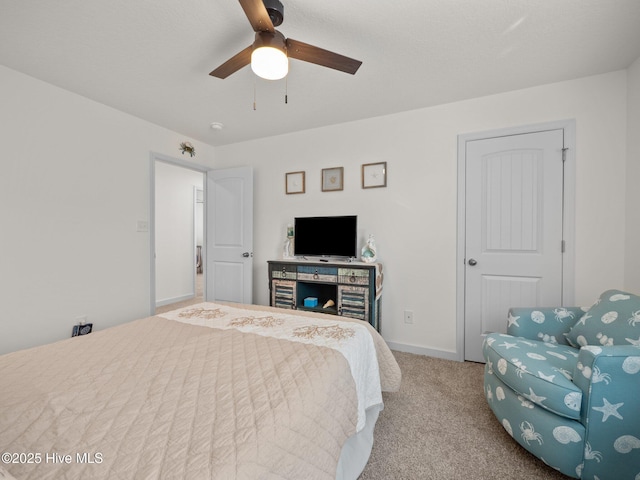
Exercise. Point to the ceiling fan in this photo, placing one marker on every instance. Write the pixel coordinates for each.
(269, 53)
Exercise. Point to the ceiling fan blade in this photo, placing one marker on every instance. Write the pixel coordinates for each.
(234, 64)
(258, 16)
(309, 53)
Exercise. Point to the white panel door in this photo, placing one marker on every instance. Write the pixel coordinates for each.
(513, 225)
(229, 235)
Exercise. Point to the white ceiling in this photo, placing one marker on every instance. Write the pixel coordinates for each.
(151, 58)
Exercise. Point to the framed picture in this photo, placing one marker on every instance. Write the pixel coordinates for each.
(374, 175)
(294, 182)
(332, 179)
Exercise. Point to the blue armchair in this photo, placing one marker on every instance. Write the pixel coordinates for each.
(565, 383)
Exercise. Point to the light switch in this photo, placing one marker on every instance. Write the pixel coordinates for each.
(143, 226)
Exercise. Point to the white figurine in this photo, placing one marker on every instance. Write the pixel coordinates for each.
(368, 253)
(288, 249)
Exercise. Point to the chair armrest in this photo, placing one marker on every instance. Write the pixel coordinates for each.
(545, 324)
(609, 377)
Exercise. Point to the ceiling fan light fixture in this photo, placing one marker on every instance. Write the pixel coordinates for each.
(269, 57)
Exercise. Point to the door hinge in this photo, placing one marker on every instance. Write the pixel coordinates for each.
(564, 154)
(563, 246)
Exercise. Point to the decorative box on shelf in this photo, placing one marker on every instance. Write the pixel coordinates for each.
(311, 302)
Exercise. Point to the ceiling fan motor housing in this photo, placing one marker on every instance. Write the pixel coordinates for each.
(275, 10)
(268, 39)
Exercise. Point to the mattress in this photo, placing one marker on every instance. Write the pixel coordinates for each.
(208, 391)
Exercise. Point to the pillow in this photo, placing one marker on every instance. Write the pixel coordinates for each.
(613, 320)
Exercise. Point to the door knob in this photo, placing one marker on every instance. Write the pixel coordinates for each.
(247, 254)
(472, 262)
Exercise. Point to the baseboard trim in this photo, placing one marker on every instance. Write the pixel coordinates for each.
(168, 301)
(429, 352)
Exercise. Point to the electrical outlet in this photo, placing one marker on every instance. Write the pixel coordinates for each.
(408, 316)
(81, 327)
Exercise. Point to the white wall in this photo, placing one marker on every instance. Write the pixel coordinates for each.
(75, 182)
(632, 260)
(414, 218)
(73, 185)
(175, 230)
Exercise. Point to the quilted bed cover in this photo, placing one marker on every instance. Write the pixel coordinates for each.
(211, 391)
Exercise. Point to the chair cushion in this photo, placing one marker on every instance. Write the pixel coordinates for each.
(537, 371)
(613, 320)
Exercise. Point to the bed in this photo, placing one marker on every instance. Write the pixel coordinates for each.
(209, 391)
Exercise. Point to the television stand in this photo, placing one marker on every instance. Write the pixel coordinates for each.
(354, 288)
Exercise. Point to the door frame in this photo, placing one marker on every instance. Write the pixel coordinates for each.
(568, 217)
(177, 162)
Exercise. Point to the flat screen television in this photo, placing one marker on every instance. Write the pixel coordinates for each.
(326, 236)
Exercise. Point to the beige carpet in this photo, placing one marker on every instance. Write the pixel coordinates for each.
(438, 426)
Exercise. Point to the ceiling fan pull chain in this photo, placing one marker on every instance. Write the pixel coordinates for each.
(254, 92)
(286, 89)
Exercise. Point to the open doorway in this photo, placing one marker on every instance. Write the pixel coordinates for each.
(178, 234)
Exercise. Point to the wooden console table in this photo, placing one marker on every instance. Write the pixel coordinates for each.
(355, 288)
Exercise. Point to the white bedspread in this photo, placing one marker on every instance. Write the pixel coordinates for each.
(353, 341)
(210, 396)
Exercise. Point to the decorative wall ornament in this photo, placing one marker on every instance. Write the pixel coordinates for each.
(188, 148)
(332, 179)
(374, 175)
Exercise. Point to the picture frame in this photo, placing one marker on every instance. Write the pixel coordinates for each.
(332, 179)
(374, 175)
(294, 183)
